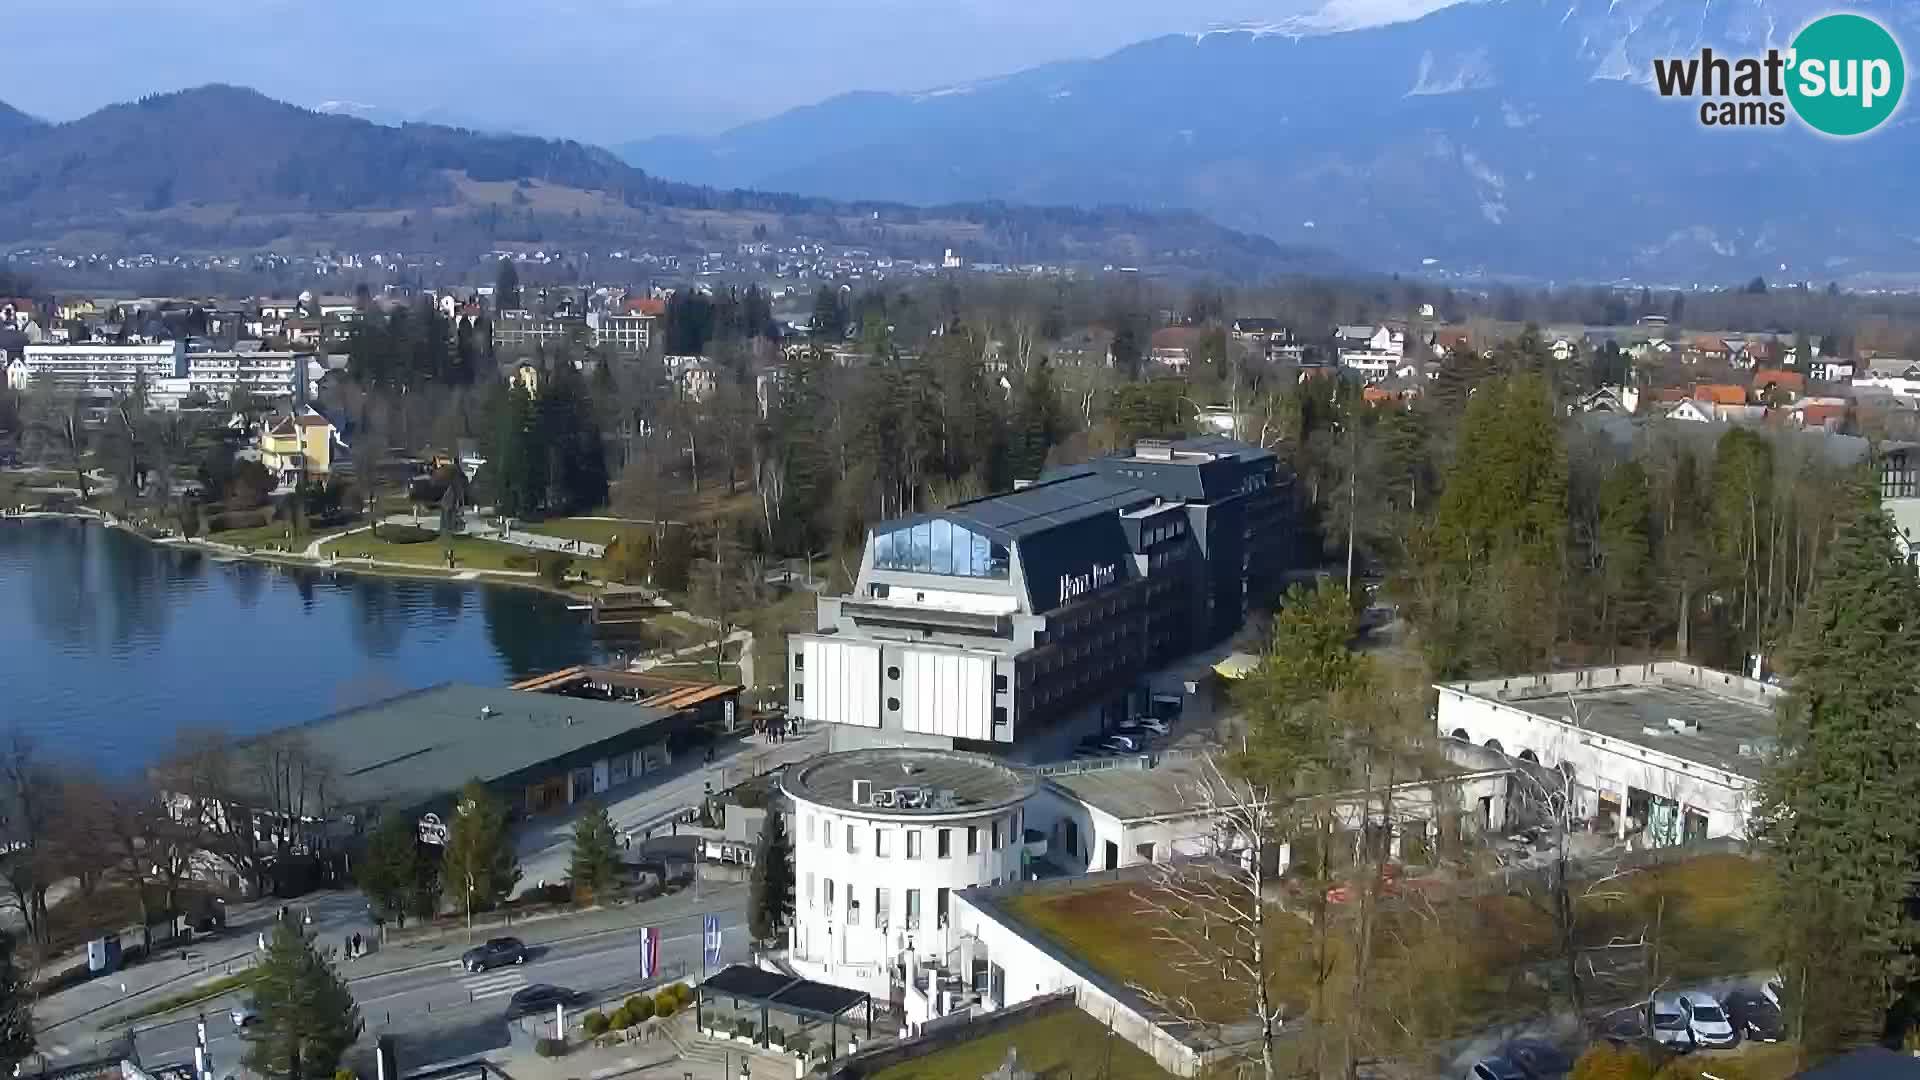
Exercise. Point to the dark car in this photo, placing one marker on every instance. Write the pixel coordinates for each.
(1538, 1060)
(497, 952)
(1753, 1016)
(531, 999)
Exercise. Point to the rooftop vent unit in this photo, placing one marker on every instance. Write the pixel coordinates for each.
(486, 711)
(1153, 450)
(862, 792)
(1654, 732)
(911, 798)
(1021, 485)
(1684, 727)
(882, 798)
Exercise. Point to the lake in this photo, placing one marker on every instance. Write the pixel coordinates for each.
(110, 644)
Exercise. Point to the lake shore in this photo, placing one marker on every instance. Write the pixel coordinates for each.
(528, 580)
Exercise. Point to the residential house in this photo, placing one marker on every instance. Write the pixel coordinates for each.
(1831, 369)
(1623, 400)
(1651, 320)
(1899, 469)
(1720, 393)
(1707, 349)
(19, 375)
(696, 377)
(1452, 341)
(526, 377)
(1762, 352)
(1779, 387)
(1370, 352)
(1261, 331)
(1692, 411)
(299, 445)
(1175, 347)
(1820, 414)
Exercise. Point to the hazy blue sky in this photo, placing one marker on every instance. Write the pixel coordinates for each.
(605, 70)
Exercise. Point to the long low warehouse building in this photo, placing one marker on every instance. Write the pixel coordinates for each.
(1664, 753)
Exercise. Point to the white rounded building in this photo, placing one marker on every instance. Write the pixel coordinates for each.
(882, 839)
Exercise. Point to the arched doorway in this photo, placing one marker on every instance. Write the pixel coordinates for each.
(1461, 734)
(1494, 745)
(1528, 755)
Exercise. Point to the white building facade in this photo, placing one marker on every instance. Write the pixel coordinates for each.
(1661, 753)
(103, 369)
(263, 374)
(882, 840)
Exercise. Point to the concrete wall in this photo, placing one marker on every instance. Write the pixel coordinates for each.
(1602, 765)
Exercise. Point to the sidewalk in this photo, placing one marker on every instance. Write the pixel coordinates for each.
(664, 1058)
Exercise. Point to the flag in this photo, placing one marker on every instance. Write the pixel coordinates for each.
(710, 938)
(649, 952)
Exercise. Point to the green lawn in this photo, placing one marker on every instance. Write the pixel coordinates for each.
(593, 532)
(468, 553)
(1058, 1043)
(1459, 964)
(261, 536)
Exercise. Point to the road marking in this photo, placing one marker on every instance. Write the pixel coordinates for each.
(486, 986)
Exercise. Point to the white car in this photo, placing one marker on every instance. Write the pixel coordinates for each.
(1690, 1020)
(243, 1015)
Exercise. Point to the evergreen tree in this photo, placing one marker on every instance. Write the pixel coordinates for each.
(770, 893)
(595, 865)
(1037, 424)
(479, 868)
(830, 315)
(1842, 807)
(1626, 563)
(307, 1018)
(506, 286)
(569, 439)
(16, 1011)
(519, 463)
(390, 869)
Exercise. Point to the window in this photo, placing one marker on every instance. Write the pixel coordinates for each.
(999, 684)
(940, 907)
(973, 839)
(799, 691)
(913, 843)
(877, 591)
(853, 839)
(944, 842)
(799, 661)
(913, 909)
(881, 896)
(893, 673)
(809, 890)
(893, 704)
(809, 828)
(853, 905)
(999, 716)
(828, 906)
(996, 834)
(882, 842)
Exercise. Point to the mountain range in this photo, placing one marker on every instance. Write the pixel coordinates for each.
(223, 168)
(1502, 136)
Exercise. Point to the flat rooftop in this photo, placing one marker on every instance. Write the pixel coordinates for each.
(420, 745)
(1718, 713)
(956, 782)
(1172, 787)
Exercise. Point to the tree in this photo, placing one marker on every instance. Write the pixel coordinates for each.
(57, 425)
(30, 808)
(1626, 564)
(506, 286)
(595, 865)
(770, 892)
(479, 868)
(390, 869)
(1842, 806)
(16, 1011)
(307, 1018)
(1037, 424)
(518, 458)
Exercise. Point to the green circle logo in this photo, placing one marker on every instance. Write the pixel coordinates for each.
(1847, 75)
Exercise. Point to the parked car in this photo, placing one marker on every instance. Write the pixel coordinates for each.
(1524, 1059)
(1151, 724)
(1707, 1024)
(531, 999)
(495, 952)
(1669, 1023)
(243, 1015)
(1753, 1015)
(1126, 744)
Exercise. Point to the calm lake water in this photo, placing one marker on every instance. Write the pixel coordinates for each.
(109, 644)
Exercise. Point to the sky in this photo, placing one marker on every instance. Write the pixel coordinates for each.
(604, 71)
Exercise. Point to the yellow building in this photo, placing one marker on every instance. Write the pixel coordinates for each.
(299, 445)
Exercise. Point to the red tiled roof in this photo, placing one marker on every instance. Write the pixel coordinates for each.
(1822, 415)
(1792, 380)
(1708, 345)
(646, 305)
(1720, 394)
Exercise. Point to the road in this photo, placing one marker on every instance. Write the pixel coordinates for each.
(442, 1011)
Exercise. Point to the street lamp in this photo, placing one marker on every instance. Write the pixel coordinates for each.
(469, 907)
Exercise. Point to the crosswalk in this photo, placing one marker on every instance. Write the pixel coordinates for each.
(488, 984)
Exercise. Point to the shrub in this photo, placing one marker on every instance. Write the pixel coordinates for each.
(621, 1019)
(551, 1048)
(665, 1005)
(594, 1023)
(344, 1073)
(518, 562)
(640, 1007)
(407, 534)
(776, 1036)
(1605, 1061)
(800, 1044)
(680, 993)
(744, 1028)
(553, 568)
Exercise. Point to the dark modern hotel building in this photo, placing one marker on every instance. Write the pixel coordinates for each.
(994, 618)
